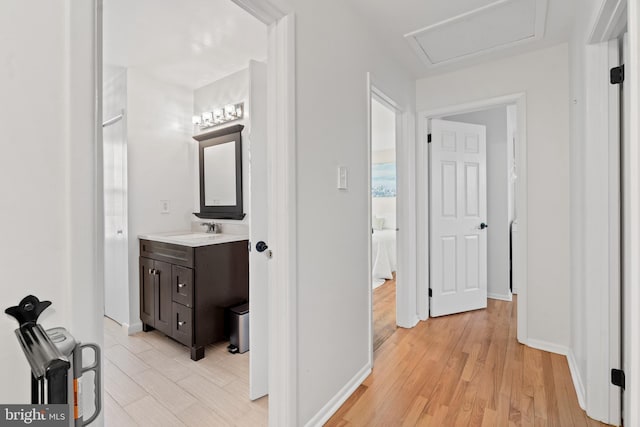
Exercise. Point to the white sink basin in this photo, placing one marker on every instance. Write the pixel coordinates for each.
(198, 236)
(194, 240)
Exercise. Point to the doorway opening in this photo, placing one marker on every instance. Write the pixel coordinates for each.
(384, 262)
(160, 75)
(500, 123)
(500, 220)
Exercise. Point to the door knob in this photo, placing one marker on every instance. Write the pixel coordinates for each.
(261, 246)
(483, 226)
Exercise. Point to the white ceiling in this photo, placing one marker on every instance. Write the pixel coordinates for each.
(469, 41)
(190, 43)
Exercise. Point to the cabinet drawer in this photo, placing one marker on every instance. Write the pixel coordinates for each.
(182, 327)
(182, 283)
(167, 252)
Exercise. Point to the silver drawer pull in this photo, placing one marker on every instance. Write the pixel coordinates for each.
(182, 323)
(182, 285)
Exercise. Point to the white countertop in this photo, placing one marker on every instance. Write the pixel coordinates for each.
(193, 239)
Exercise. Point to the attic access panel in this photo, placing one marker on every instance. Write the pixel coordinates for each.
(499, 25)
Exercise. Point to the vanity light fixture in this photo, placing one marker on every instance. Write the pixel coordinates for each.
(219, 116)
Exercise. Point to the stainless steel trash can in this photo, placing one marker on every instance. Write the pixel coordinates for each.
(239, 329)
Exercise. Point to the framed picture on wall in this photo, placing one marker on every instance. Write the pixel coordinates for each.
(383, 180)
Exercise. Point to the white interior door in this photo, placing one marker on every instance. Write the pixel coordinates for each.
(258, 232)
(458, 212)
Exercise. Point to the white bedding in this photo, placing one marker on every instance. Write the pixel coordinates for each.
(383, 251)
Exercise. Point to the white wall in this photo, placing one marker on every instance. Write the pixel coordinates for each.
(47, 167)
(331, 107)
(228, 90)
(495, 121)
(160, 165)
(543, 75)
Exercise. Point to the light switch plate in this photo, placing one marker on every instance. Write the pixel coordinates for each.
(342, 177)
(165, 206)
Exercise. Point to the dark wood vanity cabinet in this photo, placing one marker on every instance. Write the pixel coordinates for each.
(185, 291)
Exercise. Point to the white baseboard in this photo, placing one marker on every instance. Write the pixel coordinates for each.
(132, 329)
(336, 402)
(577, 379)
(412, 323)
(548, 346)
(500, 297)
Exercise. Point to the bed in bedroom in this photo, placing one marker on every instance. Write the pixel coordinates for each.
(384, 260)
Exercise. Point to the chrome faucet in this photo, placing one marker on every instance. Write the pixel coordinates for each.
(212, 227)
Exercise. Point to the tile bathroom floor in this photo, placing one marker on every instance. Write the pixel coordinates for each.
(150, 380)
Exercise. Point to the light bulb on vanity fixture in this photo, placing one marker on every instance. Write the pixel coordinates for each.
(219, 116)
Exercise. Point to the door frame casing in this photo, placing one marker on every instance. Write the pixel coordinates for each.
(282, 191)
(406, 311)
(422, 159)
(600, 399)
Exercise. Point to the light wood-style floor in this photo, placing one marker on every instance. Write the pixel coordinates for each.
(150, 380)
(464, 370)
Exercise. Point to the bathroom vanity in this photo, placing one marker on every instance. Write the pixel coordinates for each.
(188, 280)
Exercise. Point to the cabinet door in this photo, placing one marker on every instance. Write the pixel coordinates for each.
(147, 292)
(163, 297)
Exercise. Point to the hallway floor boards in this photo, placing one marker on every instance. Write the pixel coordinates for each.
(464, 370)
(384, 312)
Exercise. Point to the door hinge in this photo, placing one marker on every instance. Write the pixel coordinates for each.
(429, 139)
(617, 377)
(616, 75)
(430, 292)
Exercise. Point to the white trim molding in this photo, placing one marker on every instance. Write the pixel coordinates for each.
(611, 21)
(500, 297)
(548, 346)
(336, 401)
(283, 319)
(578, 384)
(131, 329)
(632, 224)
(264, 11)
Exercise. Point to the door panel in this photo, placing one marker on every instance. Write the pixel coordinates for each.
(163, 297)
(259, 220)
(458, 206)
(147, 292)
(449, 264)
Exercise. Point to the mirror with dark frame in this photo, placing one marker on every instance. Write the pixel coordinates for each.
(220, 153)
